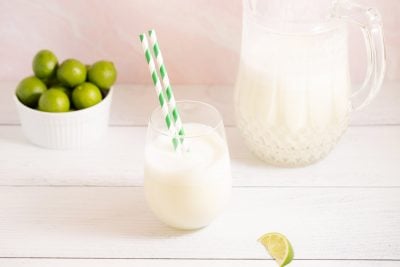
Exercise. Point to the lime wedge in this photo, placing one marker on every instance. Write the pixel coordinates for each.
(278, 246)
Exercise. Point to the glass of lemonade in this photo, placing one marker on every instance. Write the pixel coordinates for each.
(187, 189)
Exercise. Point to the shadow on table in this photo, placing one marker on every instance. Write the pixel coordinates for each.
(98, 211)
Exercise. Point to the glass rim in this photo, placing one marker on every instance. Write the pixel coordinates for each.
(212, 128)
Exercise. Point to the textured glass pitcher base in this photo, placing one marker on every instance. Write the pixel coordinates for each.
(277, 146)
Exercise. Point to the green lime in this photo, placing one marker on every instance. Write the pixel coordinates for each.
(62, 88)
(103, 74)
(279, 247)
(54, 100)
(29, 90)
(86, 95)
(44, 64)
(71, 72)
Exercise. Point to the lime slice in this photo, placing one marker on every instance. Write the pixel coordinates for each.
(278, 246)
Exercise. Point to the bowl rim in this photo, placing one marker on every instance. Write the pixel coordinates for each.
(78, 112)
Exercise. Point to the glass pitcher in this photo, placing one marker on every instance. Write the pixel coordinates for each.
(293, 91)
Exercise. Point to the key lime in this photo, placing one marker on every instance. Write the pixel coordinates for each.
(62, 88)
(44, 64)
(29, 91)
(71, 73)
(279, 247)
(103, 74)
(86, 95)
(54, 100)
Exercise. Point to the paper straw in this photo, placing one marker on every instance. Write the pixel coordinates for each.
(167, 86)
(159, 91)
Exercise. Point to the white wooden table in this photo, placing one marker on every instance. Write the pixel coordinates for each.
(86, 207)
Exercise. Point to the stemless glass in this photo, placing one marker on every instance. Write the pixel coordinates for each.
(293, 91)
(188, 188)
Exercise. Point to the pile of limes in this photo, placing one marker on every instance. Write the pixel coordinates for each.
(65, 87)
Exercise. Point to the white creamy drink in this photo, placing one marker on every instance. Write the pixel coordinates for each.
(187, 190)
(292, 93)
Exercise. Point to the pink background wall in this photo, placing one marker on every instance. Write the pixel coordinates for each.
(200, 38)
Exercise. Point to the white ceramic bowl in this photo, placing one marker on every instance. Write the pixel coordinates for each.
(65, 130)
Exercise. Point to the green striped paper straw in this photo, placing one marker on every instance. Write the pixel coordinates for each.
(159, 91)
(167, 86)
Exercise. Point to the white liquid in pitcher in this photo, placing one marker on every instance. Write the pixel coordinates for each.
(292, 94)
(188, 191)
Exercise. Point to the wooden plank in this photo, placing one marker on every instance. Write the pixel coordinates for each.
(132, 104)
(365, 157)
(185, 263)
(114, 222)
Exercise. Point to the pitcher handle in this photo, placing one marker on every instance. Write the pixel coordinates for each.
(370, 23)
